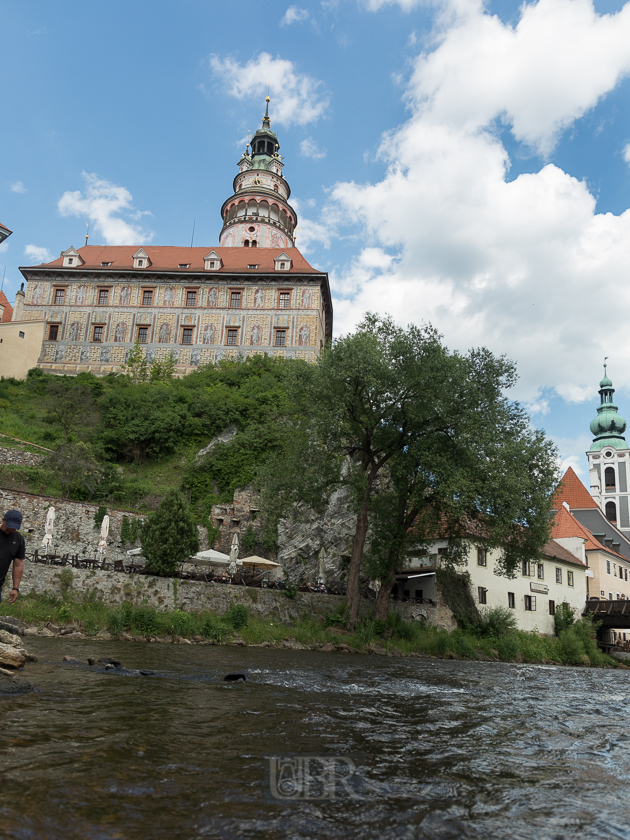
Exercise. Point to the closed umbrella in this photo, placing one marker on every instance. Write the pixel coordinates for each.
(322, 567)
(102, 545)
(50, 521)
(233, 555)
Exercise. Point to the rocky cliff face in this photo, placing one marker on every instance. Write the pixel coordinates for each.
(300, 543)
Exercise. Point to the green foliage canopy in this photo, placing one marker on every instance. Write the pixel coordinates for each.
(169, 535)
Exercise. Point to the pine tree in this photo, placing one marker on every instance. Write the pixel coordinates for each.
(169, 535)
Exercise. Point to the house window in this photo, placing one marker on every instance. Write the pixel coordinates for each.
(511, 601)
(103, 295)
(252, 266)
(530, 603)
(211, 264)
(527, 568)
(625, 574)
(541, 571)
(552, 607)
(607, 567)
(611, 512)
(558, 575)
(570, 578)
(53, 332)
(614, 570)
(232, 336)
(147, 297)
(481, 594)
(59, 296)
(281, 337)
(282, 265)
(609, 479)
(140, 263)
(105, 263)
(481, 557)
(98, 334)
(618, 596)
(70, 260)
(187, 336)
(285, 300)
(184, 265)
(191, 298)
(20, 334)
(143, 334)
(603, 593)
(235, 300)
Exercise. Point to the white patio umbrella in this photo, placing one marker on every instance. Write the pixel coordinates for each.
(321, 574)
(50, 521)
(212, 555)
(102, 545)
(233, 555)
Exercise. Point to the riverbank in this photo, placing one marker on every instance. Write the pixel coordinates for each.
(72, 619)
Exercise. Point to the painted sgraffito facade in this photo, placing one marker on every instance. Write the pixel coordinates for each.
(200, 304)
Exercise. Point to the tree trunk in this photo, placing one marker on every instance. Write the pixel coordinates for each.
(381, 607)
(358, 543)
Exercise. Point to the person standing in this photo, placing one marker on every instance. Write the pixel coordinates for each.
(12, 550)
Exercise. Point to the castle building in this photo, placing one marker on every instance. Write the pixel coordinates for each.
(254, 293)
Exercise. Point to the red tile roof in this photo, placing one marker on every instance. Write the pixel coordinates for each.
(8, 309)
(170, 257)
(555, 551)
(573, 492)
(4, 227)
(566, 525)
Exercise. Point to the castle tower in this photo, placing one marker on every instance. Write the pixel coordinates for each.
(258, 213)
(608, 460)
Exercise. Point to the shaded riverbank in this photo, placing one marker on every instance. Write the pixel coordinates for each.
(89, 618)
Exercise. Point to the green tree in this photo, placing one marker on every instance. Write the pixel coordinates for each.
(248, 540)
(169, 535)
(136, 366)
(163, 371)
(76, 469)
(69, 404)
(410, 428)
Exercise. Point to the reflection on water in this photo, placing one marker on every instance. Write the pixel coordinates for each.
(451, 749)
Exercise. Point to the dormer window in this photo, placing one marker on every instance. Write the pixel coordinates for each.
(212, 261)
(252, 266)
(71, 258)
(105, 263)
(282, 262)
(141, 259)
(184, 265)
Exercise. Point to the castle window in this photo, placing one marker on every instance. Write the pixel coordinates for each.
(21, 334)
(252, 266)
(53, 332)
(103, 295)
(282, 266)
(281, 338)
(187, 336)
(481, 557)
(246, 243)
(232, 337)
(284, 300)
(105, 263)
(191, 298)
(235, 300)
(611, 512)
(570, 578)
(97, 335)
(59, 296)
(147, 297)
(143, 335)
(70, 260)
(140, 263)
(609, 478)
(211, 264)
(254, 243)
(184, 265)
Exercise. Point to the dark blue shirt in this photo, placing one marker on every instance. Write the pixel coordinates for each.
(11, 546)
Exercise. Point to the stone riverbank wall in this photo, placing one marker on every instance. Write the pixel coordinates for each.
(193, 596)
(20, 457)
(74, 531)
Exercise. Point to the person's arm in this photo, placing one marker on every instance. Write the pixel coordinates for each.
(18, 571)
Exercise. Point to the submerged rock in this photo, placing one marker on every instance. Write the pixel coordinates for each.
(14, 685)
(235, 676)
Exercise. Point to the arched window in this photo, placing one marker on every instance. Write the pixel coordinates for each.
(246, 243)
(611, 512)
(254, 243)
(609, 478)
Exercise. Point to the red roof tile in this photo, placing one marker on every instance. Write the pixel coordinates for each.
(170, 257)
(8, 309)
(573, 492)
(4, 227)
(566, 525)
(555, 551)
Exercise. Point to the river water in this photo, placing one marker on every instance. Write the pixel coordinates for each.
(441, 749)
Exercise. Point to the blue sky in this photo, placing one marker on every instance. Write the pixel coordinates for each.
(450, 161)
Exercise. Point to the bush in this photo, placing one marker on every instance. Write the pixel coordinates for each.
(248, 541)
(496, 622)
(570, 647)
(237, 616)
(507, 647)
(564, 617)
(214, 629)
(115, 622)
(169, 535)
(180, 623)
(145, 620)
(100, 514)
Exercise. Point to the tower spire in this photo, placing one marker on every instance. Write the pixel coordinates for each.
(266, 123)
(608, 427)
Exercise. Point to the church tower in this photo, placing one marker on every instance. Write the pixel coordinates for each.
(258, 213)
(608, 460)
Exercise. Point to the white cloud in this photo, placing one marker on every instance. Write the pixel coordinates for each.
(626, 153)
(104, 205)
(294, 15)
(17, 187)
(37, 254)
(296, 97)
(519, 266)
(310, 149)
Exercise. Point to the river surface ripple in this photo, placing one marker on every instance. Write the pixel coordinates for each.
(448, 749)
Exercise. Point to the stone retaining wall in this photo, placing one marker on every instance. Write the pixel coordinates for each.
(74, 531)
(193, 596)
(19, 457)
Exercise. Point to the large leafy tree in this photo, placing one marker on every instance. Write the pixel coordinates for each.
(414, 431)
